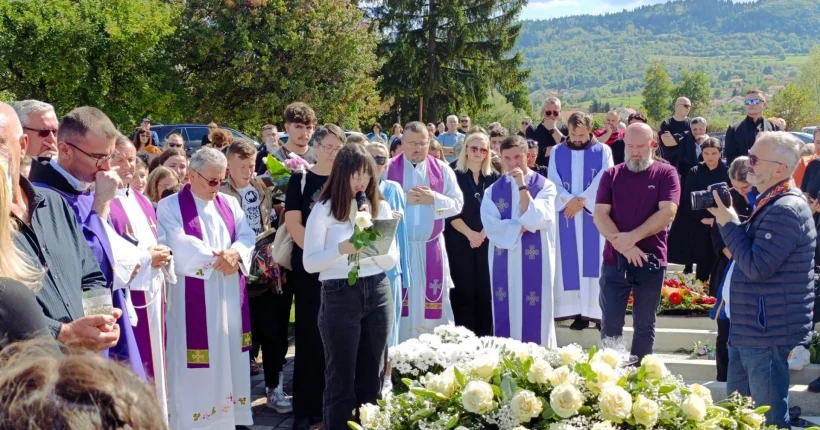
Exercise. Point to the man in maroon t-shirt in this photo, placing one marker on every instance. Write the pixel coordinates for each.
(610, 133)
(636, 201)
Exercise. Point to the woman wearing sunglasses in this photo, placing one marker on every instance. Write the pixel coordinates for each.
(467, 245)
(144, 142)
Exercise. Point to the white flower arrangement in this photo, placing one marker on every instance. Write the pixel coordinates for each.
(451, 379)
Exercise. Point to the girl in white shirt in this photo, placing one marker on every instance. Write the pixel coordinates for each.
(354, 321)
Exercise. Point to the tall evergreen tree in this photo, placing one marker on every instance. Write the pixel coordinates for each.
(657, 87)
(451, 52)
(595, 106)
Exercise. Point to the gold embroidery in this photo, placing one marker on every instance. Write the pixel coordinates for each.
(246, 339)
(198, 356)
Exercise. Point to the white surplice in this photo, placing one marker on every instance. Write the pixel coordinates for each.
(419, 222)
(506, 234)
(583, 302)
(149, 281)
(217, 397)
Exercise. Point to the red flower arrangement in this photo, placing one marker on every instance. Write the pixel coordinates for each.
(683, 295)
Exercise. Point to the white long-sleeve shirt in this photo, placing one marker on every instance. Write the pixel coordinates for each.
(324, 233)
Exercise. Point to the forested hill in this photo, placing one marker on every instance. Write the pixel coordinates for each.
(583, 52)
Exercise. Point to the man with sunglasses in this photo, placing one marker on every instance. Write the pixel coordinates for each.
(742, 135)
(768, 290)
(174, 141)
(549, 132)
(464, 124)
(674, 130)
(525, 125)
(39, 127)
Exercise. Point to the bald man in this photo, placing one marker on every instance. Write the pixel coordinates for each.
(48, 233)
(674, 130)
(636, 201)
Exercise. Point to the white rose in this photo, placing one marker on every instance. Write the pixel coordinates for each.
(562, 375)
(484, 366)
(694, 407)
(369, 415)
(748, 416)
(540, 372)
(615, 404)
(609, 356)
(565, 400)
(562, 426)
(606, 377)
(605, 425)
(646, 411)
(703, 392)
(655, 369)
(477, 397)
(525, 406)
(363, 220)
(445, 383)
(570, 354)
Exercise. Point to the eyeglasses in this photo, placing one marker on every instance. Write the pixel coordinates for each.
(415, 144)
(175, 145)
(328, 149)
(753, 102)
(42, 132)
(551, 113)
(477, 150)
(100, 158)
(380, 160)
(754, 160)
(211, 183)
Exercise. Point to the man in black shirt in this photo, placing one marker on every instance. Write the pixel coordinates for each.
(548, 132)
(48, 233)
(674, 130)
(464, 124)
(270, 144)
(741, 136)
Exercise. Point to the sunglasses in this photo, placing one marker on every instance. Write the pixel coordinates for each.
(551, 113)
(687, 106)
(42, 132)
(380, 160)
(754, 160)
(525, 123)
(211, 183)
(477, 150)
(175, 145)
(753, 102)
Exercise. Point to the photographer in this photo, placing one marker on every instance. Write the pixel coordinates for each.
(768, 290)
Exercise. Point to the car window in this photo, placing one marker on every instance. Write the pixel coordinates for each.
(196, 133)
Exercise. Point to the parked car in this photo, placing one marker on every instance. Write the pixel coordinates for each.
(808, 130)
(192, 134)
(804, 137)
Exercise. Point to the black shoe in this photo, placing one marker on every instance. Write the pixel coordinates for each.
(243, 428)
(814, 386)
(579, 324)
(598, 326)
(301, 423)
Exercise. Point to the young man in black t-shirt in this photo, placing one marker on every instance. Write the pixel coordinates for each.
(674, 130)
(549, 132)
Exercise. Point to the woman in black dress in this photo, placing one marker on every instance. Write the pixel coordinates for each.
(710, 171)
(304, 189)
(466, 241)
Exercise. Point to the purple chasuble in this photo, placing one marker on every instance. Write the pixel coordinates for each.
(118, 218)
(93, 229)
(593, 160)
(196, 321)
(531, 268)
(434, 264)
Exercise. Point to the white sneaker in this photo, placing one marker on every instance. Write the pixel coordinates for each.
(799, 358)
(278, 401)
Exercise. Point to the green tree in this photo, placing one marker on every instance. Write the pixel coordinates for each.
(794, 105)
(595, 106)
(694, 86)
(452, 53)
(501, 110)
(809, 78)
(606, 107)
(657, 87)
(104, 53)
(242, 62)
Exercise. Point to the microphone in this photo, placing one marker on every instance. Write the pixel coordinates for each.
(361, 201)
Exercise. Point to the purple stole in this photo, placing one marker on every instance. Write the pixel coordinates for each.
(196, 321)
(593, 160)
(119, 220)
(434, 264)
(531, 272)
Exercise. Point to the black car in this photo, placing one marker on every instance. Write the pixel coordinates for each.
(192, 134)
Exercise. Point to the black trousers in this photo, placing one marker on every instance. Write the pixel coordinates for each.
(270, 316)
(471, 298)
(702, 253)
(309, 362)
(722, 350)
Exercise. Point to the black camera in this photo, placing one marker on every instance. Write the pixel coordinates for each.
(705, 200)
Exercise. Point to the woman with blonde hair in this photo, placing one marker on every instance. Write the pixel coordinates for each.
(436, 150)
(467, 245)
(158, 181)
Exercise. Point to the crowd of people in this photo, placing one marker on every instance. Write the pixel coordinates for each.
(502, 232)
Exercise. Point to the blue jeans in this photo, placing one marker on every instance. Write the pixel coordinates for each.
(616, 284)
(763, 374)
(355, 322)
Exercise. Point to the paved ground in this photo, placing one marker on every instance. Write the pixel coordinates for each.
(268, 419)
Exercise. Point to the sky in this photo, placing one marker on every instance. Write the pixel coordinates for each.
(544, 9)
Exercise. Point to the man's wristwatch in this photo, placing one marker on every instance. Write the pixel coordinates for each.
(522, 188)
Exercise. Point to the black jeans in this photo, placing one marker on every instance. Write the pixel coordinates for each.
(355, 323)
(616, 284)
(270, 316)
(722, 350)
(309, 362)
